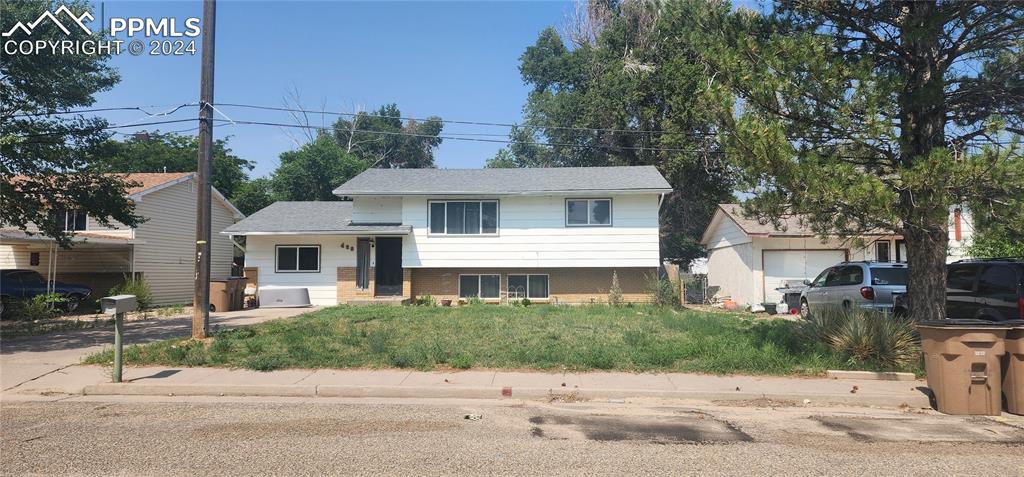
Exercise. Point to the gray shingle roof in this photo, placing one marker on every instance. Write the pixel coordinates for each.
(308, 217)
(504, 181)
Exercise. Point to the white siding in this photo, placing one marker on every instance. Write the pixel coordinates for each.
(532, 233)
(726, 233)
(115, 228)
(166, 258)
(322, 286)
(731, 270)
(377, 210)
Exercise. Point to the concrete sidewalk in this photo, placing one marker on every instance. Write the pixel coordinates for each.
(24, 359)
(94, 380)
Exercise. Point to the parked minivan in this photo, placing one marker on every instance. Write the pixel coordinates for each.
(990, 289)
(870, 285)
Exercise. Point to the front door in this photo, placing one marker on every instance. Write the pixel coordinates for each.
(389, 266)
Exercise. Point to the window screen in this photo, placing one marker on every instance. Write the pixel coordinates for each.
(363, 263)
(490, 286)
(489, 214)
(469, 286)
(298, 258)
(464, 217)
(517, 286)
(437, 217)
(287, 259)
(588, 212)
(538, 286)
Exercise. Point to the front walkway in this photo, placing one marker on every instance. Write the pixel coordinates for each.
(25, 359)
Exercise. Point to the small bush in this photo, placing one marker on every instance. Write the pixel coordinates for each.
(663, 291)
(865, 337)
(473, 301)
(525, 302)
(615, 292)
(39, 307)
(135, 286)
(425, 300)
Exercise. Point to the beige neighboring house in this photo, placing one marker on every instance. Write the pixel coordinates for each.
(161, 250)
(748, 260)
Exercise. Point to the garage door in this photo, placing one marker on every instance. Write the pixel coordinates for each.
(784, 265)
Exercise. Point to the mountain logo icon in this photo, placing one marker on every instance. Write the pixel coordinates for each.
(78, 20)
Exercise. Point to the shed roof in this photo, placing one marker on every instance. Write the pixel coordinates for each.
(518, 181)
(308, 217)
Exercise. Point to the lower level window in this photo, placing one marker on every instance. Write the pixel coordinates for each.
(298, 258)
(528, 286)
(479, 286)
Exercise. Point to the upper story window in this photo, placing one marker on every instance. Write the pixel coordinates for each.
(297, 258)
(462, 217)
(72, 220)
(588, 212)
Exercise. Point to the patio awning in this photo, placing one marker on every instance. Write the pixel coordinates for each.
(10, 236)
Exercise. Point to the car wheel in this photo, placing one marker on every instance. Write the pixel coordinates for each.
(805, 310)
(74, 300)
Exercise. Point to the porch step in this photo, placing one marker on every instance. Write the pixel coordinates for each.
(381, 300)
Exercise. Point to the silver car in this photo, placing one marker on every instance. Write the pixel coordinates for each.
(870, 285)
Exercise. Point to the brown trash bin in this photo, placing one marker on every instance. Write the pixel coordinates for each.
(1013, 367)
(962, 361)
(220, 297)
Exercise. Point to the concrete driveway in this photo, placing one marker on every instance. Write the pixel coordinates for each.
(28, 358)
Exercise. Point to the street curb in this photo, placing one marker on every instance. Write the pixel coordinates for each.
(356, 391)
(870, 375)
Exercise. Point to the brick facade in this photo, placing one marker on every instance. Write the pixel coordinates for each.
(347, 290)
(565, 285)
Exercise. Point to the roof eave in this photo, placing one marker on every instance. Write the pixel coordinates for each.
(341, 193)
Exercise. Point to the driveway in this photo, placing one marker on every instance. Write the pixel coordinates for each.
(28, 358)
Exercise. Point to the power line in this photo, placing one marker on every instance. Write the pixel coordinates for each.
(477, 139)
(453, 121)
(101, 110)
(94, 129)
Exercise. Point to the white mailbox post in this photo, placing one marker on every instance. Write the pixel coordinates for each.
(118, 305)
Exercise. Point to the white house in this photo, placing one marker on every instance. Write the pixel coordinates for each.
(554, 234)
(748, 260)
(161, 249)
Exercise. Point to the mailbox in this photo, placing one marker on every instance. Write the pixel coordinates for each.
(113, 305)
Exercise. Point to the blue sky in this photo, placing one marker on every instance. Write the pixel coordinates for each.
(457, 60)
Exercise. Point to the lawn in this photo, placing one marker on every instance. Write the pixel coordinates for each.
(482, 336)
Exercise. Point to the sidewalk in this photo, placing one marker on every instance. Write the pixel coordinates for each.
(27, 358)
(94, 380)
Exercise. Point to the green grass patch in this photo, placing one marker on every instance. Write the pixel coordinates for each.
(536, 337)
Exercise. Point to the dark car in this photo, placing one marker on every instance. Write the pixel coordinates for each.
(990, 289)
(22, 284)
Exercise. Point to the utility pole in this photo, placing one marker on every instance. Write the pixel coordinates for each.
(201, 293)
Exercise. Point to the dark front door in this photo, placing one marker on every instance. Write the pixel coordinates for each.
(389, 266)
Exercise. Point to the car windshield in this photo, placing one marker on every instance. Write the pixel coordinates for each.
(889, 276)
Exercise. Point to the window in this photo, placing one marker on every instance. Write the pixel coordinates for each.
(72, 220)
(479, 286)
(298, 258)
(996, 281)
(882, 251)
(464, 217)
(888, 276)
(822, 278)
(363, 263)
(848, 275)
(580, 212)
(528, 286)
(961, 278)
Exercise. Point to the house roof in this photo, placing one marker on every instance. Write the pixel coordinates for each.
(790, 226)
(517, 181)
(150, 180)
(295, 218)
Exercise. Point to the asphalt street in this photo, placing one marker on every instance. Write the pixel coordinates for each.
(282, 436)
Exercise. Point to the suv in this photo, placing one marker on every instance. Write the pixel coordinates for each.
(991, 289)
(870, 285)
(22, 284)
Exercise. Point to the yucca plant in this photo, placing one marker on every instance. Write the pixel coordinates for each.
(866, 337)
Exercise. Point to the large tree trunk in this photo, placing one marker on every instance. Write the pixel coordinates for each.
(922, 131)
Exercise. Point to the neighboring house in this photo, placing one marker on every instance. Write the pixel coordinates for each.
(550, 235)
(748, 260)
(161, 250)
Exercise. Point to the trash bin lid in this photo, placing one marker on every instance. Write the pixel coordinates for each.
(963, 323)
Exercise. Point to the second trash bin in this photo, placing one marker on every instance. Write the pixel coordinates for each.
(962, 361)
(1013, 367)
(220, 295)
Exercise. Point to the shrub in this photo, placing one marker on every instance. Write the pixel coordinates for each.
(663, 291)
(173, 310)
(866, 337)
(615, 292)
(425, 300)
(474, 301)
(39, 307)
(135, 286)
(525, 302)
